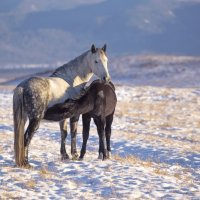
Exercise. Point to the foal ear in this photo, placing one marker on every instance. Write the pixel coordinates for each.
(104, 48)
(93, 49)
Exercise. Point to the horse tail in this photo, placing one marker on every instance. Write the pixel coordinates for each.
(19, 123)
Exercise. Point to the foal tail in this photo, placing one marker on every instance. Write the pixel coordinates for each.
(19, 123)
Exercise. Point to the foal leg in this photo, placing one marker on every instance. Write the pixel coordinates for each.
(100, 144)
(31, 129)
(73, 128)
(109, 120)
(86, 128)
(63, 130)
(100, 123)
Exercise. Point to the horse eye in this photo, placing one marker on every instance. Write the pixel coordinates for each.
(96, 61)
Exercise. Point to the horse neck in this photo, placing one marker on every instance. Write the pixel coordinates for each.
(76, 70)
(85, 104)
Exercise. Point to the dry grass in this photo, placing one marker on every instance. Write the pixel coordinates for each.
(1, 149)
(180, 175)
(177, 175)
(9, 195)
(164, 113)
(159, 169)
(123, 108)
(31, 184)
(126, 160)
(132, 160)
(161, 172)
(172, 116)
(4, 137)
(198, 124)
(184, 146)
(45, 173)
(130, 135)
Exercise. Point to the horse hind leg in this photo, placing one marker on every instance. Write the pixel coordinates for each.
(109, 120)
(31, 129)
(63, 130)
(35, 102)
(100, 123)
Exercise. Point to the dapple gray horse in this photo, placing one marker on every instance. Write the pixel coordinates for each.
(35, 95)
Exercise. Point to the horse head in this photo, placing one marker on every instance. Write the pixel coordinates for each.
(99, 63)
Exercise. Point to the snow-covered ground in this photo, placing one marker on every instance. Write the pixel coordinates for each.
(155, 140)
(155, 147)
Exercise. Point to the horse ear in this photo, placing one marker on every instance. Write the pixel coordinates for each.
(104, 48)
(93, 49)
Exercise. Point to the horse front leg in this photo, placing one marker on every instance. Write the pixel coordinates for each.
(63, 131)
(73, 128)
(86, 118)
(100, 123)
(31, 129)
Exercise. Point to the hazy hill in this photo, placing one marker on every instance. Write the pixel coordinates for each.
(50, 31)
(151, 70)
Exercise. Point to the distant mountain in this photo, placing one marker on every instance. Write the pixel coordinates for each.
(51, 31)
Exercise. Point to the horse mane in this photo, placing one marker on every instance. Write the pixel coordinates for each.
(68, 70)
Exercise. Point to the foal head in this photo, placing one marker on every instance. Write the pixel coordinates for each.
(99, 63)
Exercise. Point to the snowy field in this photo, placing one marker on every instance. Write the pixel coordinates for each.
(155, 152)
(155, 141)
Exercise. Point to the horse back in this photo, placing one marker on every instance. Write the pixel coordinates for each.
(105, 96)
(110, 97)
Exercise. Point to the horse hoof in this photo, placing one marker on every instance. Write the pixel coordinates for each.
(65, 157)
(80, 158)
(109, 154)
(100, 157)
(75, 156)
(26, 165)
(105, 158)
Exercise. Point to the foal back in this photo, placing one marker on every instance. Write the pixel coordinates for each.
(110, 97)
(104, 98)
